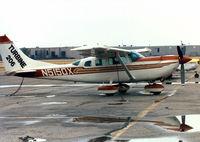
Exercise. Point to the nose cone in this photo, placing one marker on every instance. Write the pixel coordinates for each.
(184, 60)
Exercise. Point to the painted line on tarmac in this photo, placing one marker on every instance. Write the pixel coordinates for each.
(34, 117)
(136, 85)
(144, 112)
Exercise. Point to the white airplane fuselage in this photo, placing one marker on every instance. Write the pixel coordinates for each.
(145, 69)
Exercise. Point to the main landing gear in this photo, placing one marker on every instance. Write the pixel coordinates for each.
(110, 90)
(156, 89)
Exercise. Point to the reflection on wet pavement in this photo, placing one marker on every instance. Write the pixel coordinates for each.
(179, 124)
(174, 124)
(158, 139)
(100, 139)
(53, 103)
(185, 123)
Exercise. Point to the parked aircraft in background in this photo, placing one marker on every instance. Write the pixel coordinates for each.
(105, 65)
(191, 65)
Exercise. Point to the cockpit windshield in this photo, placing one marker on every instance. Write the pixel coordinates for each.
(133, 56)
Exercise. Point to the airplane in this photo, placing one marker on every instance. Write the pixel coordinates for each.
(191, 65)
(105, 64)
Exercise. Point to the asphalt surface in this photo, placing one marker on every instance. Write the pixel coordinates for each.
(59, 111)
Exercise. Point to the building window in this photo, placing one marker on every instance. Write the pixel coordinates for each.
(36, 53)
(47, 52)
(63, 54)
(158, 50)
(53, 54)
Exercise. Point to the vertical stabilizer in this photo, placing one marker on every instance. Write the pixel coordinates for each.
(14, 59)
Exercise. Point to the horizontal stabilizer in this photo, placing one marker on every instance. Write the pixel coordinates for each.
(22, 73)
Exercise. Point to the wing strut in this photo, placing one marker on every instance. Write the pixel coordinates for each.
(132, 78)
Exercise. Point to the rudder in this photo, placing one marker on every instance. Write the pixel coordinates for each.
(14, 59)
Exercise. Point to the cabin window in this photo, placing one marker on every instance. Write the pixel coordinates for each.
(113, 61)
(100, 62)
(87, 63)
(76, 63)
(124, 59)
(133, 56)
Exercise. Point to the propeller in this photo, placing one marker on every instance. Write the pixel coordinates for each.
(181, 60)
(183, 119)
(184, 127)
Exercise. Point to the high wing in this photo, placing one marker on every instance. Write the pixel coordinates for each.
(105, 51)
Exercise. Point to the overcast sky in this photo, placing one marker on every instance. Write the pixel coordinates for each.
(31, 23)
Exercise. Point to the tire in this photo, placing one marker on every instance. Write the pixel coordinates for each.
(156, 93)
(110, 94)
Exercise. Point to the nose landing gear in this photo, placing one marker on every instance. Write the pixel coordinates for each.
(110, 90)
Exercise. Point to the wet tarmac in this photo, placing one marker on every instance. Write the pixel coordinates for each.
(58, 111)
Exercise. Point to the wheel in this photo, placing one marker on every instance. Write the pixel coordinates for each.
(156, 93)
(122, 91)
(196, 75)
(110, 94)
(123, 88)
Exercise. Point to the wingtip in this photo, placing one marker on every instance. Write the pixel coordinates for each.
(5, 39)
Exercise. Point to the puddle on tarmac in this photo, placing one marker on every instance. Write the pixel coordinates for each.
(115, 103)
(15, 96)
(100, 139)
(156, 139)
(23, 96)
(53, 103)
(55, 115)
(185, 123)
(25, 122)
(50, 96)
(30, 122)
(98, 119)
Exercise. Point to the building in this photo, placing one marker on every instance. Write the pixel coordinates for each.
(191, 50)
(66, 53)
(53, 53)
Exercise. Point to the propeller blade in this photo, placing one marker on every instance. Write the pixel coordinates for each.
(182, 75)
(183, 119)
(180, 54)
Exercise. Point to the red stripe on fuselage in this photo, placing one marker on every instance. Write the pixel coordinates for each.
(82, 70)
(158, 58)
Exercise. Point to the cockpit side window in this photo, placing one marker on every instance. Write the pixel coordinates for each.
(88, 63)
(133, 56)
(76, 63)
(114, 60)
